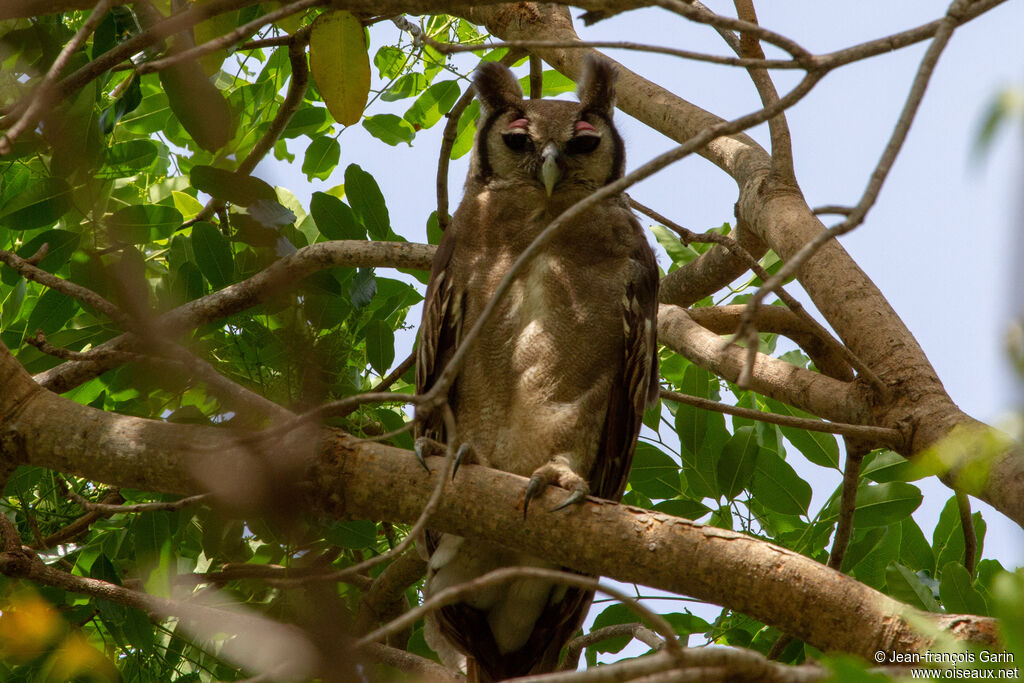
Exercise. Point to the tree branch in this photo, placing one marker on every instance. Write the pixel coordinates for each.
(771, 584)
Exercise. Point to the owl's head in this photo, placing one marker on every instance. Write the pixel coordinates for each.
(557, 146)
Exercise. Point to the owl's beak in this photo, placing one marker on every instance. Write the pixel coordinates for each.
(550, 173)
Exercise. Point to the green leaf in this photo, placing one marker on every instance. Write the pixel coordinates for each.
(957, 594)
(554, 84)
(334, 219)
(355, 534)
(818, 447)
(390, 129)
(128, 158)
(681, 507)
(40, 204)
(612, 615)
(237, 188)
(702, 435)
(884, 466)
(141, 223)
(380, 345)
(308, 120)
(914, 550)
(213, 254)
(738, 461)
(367, 202)
(198, 104)
(51, 312)
(881, 504)
(188, 205)
(363, 287)
(340, 64)
(150, 116)
(406, 86)
(777, 486)
(654, 473)
(60, 245)
(948, 536)
(676, 250)
(389, 61)
(903, 584)
(432, 104)
(271, 214)
(465, 130)
(322, 156)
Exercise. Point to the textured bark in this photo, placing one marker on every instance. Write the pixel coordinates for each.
(804, 598)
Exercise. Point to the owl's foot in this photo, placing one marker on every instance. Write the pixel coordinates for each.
(556, 471)
(425, 447)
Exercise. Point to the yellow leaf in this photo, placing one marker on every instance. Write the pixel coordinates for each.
(340, 65)
(188, 205)
(28, 626)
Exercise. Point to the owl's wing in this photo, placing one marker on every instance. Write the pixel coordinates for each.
(635, 385)
(440, 331)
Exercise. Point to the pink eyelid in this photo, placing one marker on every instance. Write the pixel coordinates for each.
(583, 125)
(518, 123)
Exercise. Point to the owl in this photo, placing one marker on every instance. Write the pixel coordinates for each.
(555, 387)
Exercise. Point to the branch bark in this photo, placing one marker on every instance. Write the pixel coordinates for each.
(777, 586)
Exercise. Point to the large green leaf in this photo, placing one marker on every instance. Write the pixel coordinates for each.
(340, 64)
(237, 188)
(41, 203)
(739, 458)
(390, 129)
(367, 201)
(213, 254)
(432, 104)
(654, 473)
(198, 104)
(140, 223)
(957, 593)
(777, 486)
(903, 584)
(380, 345)
(818, 447)
(321, 158)
(51, 312)
(334, 219)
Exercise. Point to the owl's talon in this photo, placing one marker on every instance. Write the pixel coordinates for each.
(425, 446)
(574, 498)
(536, 485)
(459, 455)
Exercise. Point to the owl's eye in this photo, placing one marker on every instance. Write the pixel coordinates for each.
(582, 144)
(517, 142)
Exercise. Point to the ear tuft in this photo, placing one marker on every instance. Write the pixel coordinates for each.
(497, 87)
(597, 85)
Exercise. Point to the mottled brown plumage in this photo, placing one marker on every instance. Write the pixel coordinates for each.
(556, 385)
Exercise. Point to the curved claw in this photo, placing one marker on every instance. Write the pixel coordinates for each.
(459, 455)
(574, 498)
(535, 486)
(418, 449)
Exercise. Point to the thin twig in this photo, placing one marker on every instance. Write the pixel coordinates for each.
(116, 509)
(41, 99)
(638, 631)
(82, 524)
(778, 128)
(536, 77)
(66, 287)
(881, 435)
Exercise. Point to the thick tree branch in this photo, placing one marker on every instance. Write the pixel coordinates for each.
(774, 585)
(810, 391)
